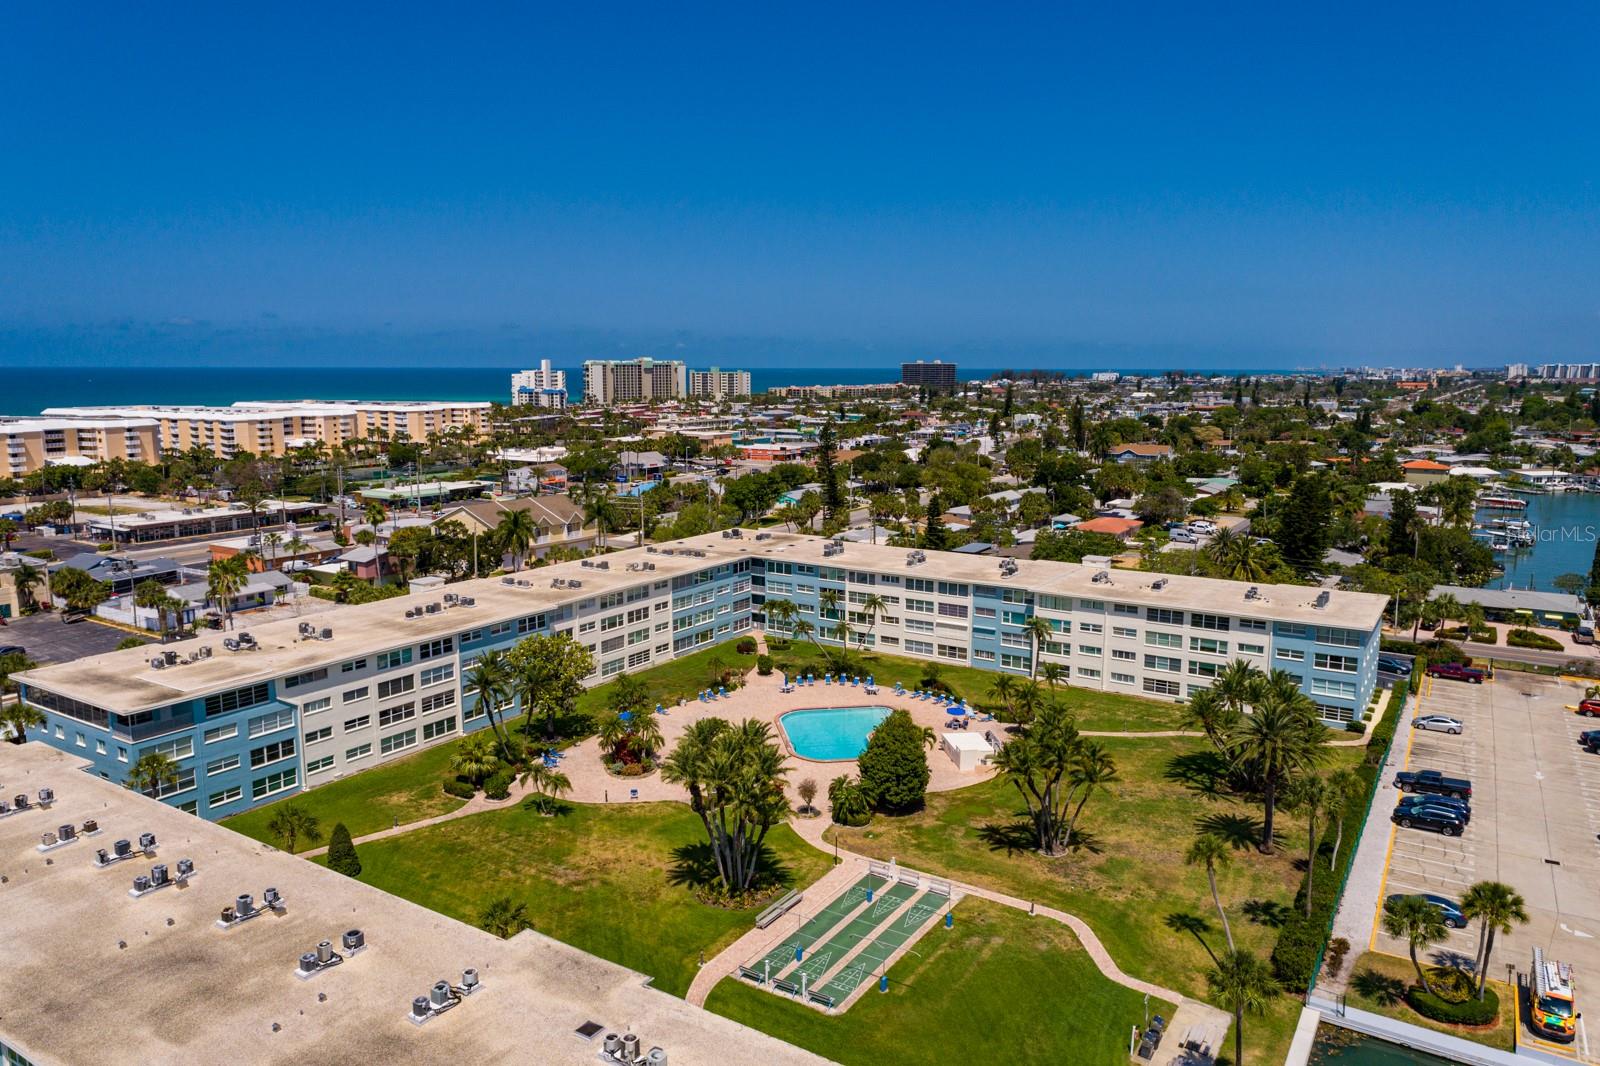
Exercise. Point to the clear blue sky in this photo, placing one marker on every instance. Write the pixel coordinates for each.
(1208, 184)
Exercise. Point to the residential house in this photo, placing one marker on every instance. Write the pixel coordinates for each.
(1139, 453)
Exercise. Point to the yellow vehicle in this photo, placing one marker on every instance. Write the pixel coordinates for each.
(1553, 1012)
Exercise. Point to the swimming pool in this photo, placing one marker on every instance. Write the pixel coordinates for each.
(831, 734)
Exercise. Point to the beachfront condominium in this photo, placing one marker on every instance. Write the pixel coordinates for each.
(937, 376)
(302, 703)
(543, 387)
(29, 444)
(270, 427)
(609, 381)
(715, 384)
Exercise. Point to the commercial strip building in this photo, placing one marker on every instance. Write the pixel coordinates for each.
(29, 444)
(307, 703)
(717, 384)
(937, 375)
(208, 994)
(543, 387)
(272, 428)
(166, 522)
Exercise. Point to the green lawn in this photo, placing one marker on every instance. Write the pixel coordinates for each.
(613, 880)
(1378, 981)
(406, 790)
(999, 987)
(1109, 711)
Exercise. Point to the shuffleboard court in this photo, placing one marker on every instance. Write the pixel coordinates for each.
(821, 959)
(889, 940)
(819, 924)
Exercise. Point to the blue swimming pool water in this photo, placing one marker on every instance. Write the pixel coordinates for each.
(831, 733)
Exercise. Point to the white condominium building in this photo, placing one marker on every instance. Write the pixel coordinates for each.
(543, 387)
(715, 384)
(608, 381)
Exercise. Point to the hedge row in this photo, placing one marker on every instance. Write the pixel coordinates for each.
(1527, 638)
(1302, 938)
(1471, 1011)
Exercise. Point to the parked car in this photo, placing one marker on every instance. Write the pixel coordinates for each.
(1439, 723)
(1432, 782)
(1461, 807)
(1438, 819)
(1589, 708)
(12, 649)
(1389, 664)
(1589, 736)
(1182, 536)
(1449, 910)
(1457, 672)
(1201, 525)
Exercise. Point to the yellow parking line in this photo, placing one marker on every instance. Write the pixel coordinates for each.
(1388, 855)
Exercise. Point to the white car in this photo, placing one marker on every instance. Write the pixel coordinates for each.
(1202, 526)
(1441, 723)
(1182, 536)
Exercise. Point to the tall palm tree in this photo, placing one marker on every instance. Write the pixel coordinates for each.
(1311, 794)
(1279, 739)
(1039, 630)
(1213, 715)
(515, 534)
(1346, 791)
(1237, 684)
(374, 514)
(1240, 984)
(152, 596)
(1053, 674)
(1496, 907)
(153, 771)
(1211, 851)
(549, 784)
(872, 606)
(1417, 922)
(492, 677)
(1004, 689)
(225, 579)
(1030, 697)
(1092, 768)
(25, 578)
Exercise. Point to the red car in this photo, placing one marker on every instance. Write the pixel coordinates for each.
(1589, 708)
(1457, 672)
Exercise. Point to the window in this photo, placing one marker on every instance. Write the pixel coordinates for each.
(1089, 649)
(187, 806)
(184, 783)
(919, 647)
(360, 751)
(317, 736)
(952, 651)
(1016, 640)
(352, 666)
(983, 656)
(281, 781)
(395, 715)
(99, 747)
(352, 724)
(1054, 603)
(222, 732)
(181, 748)
(307, 678)
(1347, 664)
(1344, 638)
(313, 706)
(1163, 662)
(954, 588)
(270, 723)
(435, 674)
(398, 742)
(430, 730)
(222, 765)
(1160, 686)
(239, 698)
(1209, 621)
(1324, 687)
(1208, 645)
(1253, 625)
(918, 625)
(1164, 640)
(918, 584)
(396, 686)
(610, 622)
(1124, 654)
(279, 749)
(227, 795)
(1204, 669)
(1014, 618)
(916, 606)
(1125, 608)
(1164, 616)
(1089, 673)
(586, 627)
(351, 695)
(438, 701)
(1091, 605)
(984, 612)
(1121, 679)
(953, 610)
(1125, 631)
(1329, 712)
(435, 648)
(1014, 662)
(390, 659)
(1291, 629)
(316, 766)
(1252, 649)
(1294, 655)
(639, 658)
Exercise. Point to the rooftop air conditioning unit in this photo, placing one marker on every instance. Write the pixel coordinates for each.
(466, 601)
(158, 662)
(574, 584)
(326, 634)
(1252, 593)
(1322, 599)
(1102, 577)
(1158, 584)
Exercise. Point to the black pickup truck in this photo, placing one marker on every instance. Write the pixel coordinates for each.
(1432, 782)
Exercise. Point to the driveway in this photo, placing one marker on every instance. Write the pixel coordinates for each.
(49, 640)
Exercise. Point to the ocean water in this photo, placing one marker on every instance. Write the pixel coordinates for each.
(1566, 526)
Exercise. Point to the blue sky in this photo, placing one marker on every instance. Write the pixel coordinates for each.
(1056, 186)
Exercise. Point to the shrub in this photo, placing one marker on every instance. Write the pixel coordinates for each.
(130, 642)
(454, 786)
(1470, 1011)
(105, 546)
(1338, 948)
(849, 802)
(1419, 670)
(322, 592)
(1527, 638)
(342, 857)
(894, 768)
(746, 646)
(763, 665)
(41, 553)
(498, 787)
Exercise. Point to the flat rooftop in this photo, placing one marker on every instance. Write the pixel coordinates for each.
(94, 975)
(125, 681)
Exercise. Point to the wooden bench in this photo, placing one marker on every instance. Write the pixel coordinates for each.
(752, 975)
(819, 998)
(784, 905)
(786, 987)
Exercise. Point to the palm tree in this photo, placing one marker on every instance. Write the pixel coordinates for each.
(1496, 907)
(1311, 794)
(1211, 851)
(1004, 688)
(1030, 697)
(1053, 674)
(153, 771)
(374, 514)
(25, 578)
(1039, 630)
(1346, 791)
(646, 739)
(1240, 558)
(1280, 738)
(872, 606)
(225, 579)
(152, 596)
(549, 785)
(292, 823)
(1237, 684)
(475, 758)
(1092, 768)
(20, 717)
(1213, 715)
(515, 533)
(781, 612)
(503, 918)
(492, 678)
(1242, 983)
(1417, 922)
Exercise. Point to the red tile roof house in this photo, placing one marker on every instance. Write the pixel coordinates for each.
(1139, 453)
(1121, 528)
(1424, 471)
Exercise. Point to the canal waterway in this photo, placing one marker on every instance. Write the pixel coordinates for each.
(1565, 526)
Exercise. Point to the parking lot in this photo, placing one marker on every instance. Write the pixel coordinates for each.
(49, 640)
(1535, 818)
